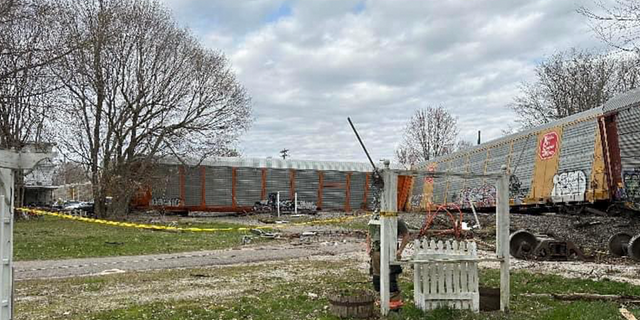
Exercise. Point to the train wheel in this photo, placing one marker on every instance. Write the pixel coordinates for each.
(634, 248)
(522, 243)
(618, 244)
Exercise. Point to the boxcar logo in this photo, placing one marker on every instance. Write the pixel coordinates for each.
(548, 145)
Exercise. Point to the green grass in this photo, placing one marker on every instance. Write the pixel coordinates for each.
(54, 238)
(275, 298)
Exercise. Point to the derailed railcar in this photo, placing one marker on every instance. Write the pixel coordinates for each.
(245, 185)
(587, 160)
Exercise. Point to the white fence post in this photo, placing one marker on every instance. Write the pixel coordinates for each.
(502, 243)
(10, 161)
(295, 203)
(278, 203)
(6, 244)
(388, 234)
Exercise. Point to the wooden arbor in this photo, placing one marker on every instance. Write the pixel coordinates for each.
(389, 225)
(9, 162)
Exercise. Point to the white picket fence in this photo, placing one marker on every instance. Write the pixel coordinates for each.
(446, 275)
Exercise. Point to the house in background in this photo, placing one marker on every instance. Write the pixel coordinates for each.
(39, 186)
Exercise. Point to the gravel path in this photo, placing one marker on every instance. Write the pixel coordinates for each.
(96, 266)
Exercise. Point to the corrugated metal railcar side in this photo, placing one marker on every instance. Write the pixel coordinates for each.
(589, 157)
(550, 164)
(235, 185)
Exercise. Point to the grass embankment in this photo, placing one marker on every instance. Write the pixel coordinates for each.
(281, 290)
(54, 238)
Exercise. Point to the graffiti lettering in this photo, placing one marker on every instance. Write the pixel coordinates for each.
(163, 202)
(286, 206)
(631, 181)
(572, 183)
(516, 191)
(416, 201)
(482, 196)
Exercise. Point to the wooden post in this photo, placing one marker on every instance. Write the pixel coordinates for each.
(388, 234)
(502, 243)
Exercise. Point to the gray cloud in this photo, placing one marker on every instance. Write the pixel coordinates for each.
(314, 64)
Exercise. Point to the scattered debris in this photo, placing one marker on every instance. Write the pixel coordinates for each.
(309, 234)
(267, 235)
(627, 315)
(525, 245)
(110, 271)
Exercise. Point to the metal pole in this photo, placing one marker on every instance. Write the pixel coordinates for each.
(502, 243)
(295, 203)
(475, 215)
(362, 144)
(278, 201)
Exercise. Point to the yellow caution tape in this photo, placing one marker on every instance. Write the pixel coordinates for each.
(388, 214)
(159, 227)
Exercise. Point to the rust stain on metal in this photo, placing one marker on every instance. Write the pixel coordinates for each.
(347, 193)
(292, 183)
(233, 187)
(182, 185)
(203, 186)
(320, 186)
(263, 190)
(366, 191)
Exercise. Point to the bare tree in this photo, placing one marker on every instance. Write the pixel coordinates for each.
(572, 82)
(28, 35)
(140, 89)
(68, 173)
(617, 24)
(430, 132)
(463, 144)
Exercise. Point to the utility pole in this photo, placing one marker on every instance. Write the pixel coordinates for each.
(284, 153)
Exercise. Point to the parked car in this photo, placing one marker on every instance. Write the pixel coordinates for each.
(87, 207)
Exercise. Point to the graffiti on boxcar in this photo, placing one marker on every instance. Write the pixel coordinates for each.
(286, 205)
(569, 183)
(416, 201)
(516, 191)
(631, 180)
(482, 196)
(166, 202)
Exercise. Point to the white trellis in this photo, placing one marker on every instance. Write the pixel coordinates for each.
(434, 260)
(445, 274)
(9, 162)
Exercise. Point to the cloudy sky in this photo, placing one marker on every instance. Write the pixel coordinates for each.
(308, 65)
